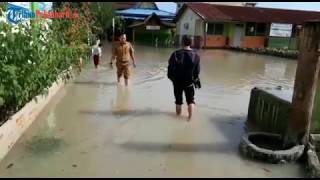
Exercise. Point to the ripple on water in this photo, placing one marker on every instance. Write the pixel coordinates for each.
(263, 81)
(155, 74)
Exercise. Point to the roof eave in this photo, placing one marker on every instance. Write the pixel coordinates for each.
(183, 8)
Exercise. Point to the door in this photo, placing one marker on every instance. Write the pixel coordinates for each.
(238, 34)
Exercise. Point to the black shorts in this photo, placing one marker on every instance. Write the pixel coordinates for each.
(96, 60)
(178, 93)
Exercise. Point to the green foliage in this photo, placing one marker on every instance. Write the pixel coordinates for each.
(119, 24)
(286, 53)
(103, 13)
(3, 7)
(148, 37)
(32, 57)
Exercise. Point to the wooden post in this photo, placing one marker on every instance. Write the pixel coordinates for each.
(133, 35)
(305, 85)
(113, 29)
(299, 27)
(205, 34)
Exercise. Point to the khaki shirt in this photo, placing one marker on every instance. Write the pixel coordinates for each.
(122, 52)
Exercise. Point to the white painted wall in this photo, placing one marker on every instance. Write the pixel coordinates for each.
(195, 23)
(190, 18)
(200, 27)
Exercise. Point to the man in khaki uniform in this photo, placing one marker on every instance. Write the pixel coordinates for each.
(122, 52)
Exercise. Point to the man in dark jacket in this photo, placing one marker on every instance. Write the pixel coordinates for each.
(183, 71)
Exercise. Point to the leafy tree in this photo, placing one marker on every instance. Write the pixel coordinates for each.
(103, 13)
(3, 7)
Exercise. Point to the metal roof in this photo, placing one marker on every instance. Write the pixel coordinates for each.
(124, 5)
(211, 12)
(143, 18)
(127, 5)
(156, 18)
(140, 12)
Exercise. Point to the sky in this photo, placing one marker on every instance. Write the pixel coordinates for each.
(312, 6)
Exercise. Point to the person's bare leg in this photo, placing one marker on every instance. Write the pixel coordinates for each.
(190, 111)
(126, 75)
(118, 79)
(178, 109)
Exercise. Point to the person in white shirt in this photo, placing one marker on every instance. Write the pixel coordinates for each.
(97, 53)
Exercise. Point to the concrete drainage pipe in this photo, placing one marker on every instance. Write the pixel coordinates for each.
(268, 147)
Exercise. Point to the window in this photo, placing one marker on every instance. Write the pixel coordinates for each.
(256, 29)
(215, 28)
(210, 28)
(295, 31)
(186, 26)
(250, 29)
(218, 29)
(261, 29)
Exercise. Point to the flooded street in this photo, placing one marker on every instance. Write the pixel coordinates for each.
(95, 128)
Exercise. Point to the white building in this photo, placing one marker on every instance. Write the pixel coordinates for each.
(221, 26)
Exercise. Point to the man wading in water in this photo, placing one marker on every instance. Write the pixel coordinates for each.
(122, 52)
(183, 71)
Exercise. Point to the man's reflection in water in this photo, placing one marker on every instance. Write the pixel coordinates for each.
(122, 104)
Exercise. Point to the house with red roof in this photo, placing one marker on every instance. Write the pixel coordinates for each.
(220, 26)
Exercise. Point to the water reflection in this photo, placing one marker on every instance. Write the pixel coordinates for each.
(122, 103)
(243, 71)
(51, 121)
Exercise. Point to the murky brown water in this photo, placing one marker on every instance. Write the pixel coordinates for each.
(94, 128)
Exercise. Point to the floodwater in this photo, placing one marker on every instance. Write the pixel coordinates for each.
(96, 128)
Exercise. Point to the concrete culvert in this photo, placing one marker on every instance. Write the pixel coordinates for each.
(269, 147)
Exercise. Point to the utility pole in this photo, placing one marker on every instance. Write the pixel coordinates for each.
(205, 34)
(113, 29)
(305, 85)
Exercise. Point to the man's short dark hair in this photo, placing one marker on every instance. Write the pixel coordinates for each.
(121, 34)
(100, 45)
(186, 40)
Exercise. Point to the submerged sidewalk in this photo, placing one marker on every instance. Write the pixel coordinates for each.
(94, 128)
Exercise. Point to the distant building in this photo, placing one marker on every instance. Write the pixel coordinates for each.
(123, 5)
(143, 10)
(249, 4)
(146, 24)
(218, 26)
(128, 5)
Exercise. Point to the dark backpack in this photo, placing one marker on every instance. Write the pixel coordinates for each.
(196, 82)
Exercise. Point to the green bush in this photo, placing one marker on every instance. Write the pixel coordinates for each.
(32, 58)
(286, 53)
